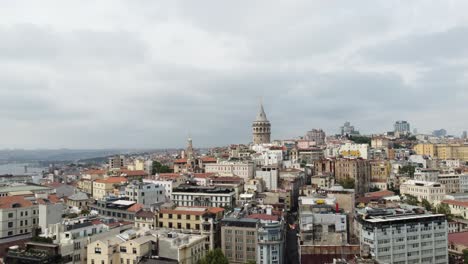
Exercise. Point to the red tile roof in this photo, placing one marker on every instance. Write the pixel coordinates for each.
(383, 193)
(460, 238)
(203, 175)
(458, 203)
(264, 217)
(208, 159)
(180, 161)
(112, 180)
(145, 214)
(135, 208)
(94, 172)
(9, 201)
(171, 176)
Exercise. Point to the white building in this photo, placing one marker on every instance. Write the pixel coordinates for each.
(429, 175)
(270, 246)
(352, 150)
(50, 213)
(464, 183)
(244, 170)
(270, 176)
(168, 185)
(405, 238)
(268, 157)
(433, 192)
(146, 193)
(74, 235)
(203, 196)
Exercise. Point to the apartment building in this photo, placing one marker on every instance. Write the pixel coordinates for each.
(451, 182)
(405, 237)
(270, 243)
(196, 220)
(433, 192)
(17, 216)
(145, 193)
(133, 246)
(117, 208)
(189, 195)
(239, 239)
(74, 235)
(105, 187)
(356, 169)
(245, 170)
(443, 151)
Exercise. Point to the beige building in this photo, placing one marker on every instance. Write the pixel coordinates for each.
(131, 246)
(458, 208)
(451, 182)
(79, 200)
(380, 172)
(443, 151)
(433, 192)
(17, 216)
(245, 170)
(85, 186)
(358, 170)
(104, 187)
(196, 220)
(239, 239)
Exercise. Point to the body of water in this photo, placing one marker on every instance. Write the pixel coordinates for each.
(19, 168)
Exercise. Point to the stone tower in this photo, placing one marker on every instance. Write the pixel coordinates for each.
(261, 128)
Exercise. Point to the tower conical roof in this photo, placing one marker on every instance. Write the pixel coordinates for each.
(261, 116)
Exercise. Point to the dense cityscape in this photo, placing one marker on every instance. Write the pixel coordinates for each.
(394, 197)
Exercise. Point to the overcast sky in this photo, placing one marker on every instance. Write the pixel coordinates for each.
(100, 74)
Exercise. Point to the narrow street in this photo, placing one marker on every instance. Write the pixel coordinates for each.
(292, 247)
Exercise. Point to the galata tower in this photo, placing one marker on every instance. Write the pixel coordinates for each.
(261, 128)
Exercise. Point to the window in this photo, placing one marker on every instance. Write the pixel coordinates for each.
(77, 245)
(179, 216)
(10, 224)
(123, 249)
(10, 215)
(97, 250)
(10, 233)
(188, 226)
(134, 251)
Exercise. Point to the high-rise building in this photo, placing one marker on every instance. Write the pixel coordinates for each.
(401, 127)
(316, 135)
(261, 128)
(117, 162)
(348, 129)
(400, 236)
(439, 133)
(464, 135)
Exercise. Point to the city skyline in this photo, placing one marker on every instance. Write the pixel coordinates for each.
(145, 75)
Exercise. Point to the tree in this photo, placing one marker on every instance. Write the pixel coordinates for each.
(85, 212)
(360, 139)
(46, 240)
(465, 256)
(427, 205)
(411, 200)
(250, 262)
(374, 189)
(159, 168)
(347, 183)
(407, 169)
(445, 209)
(215, 256)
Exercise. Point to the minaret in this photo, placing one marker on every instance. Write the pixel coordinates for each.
(261, 128)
